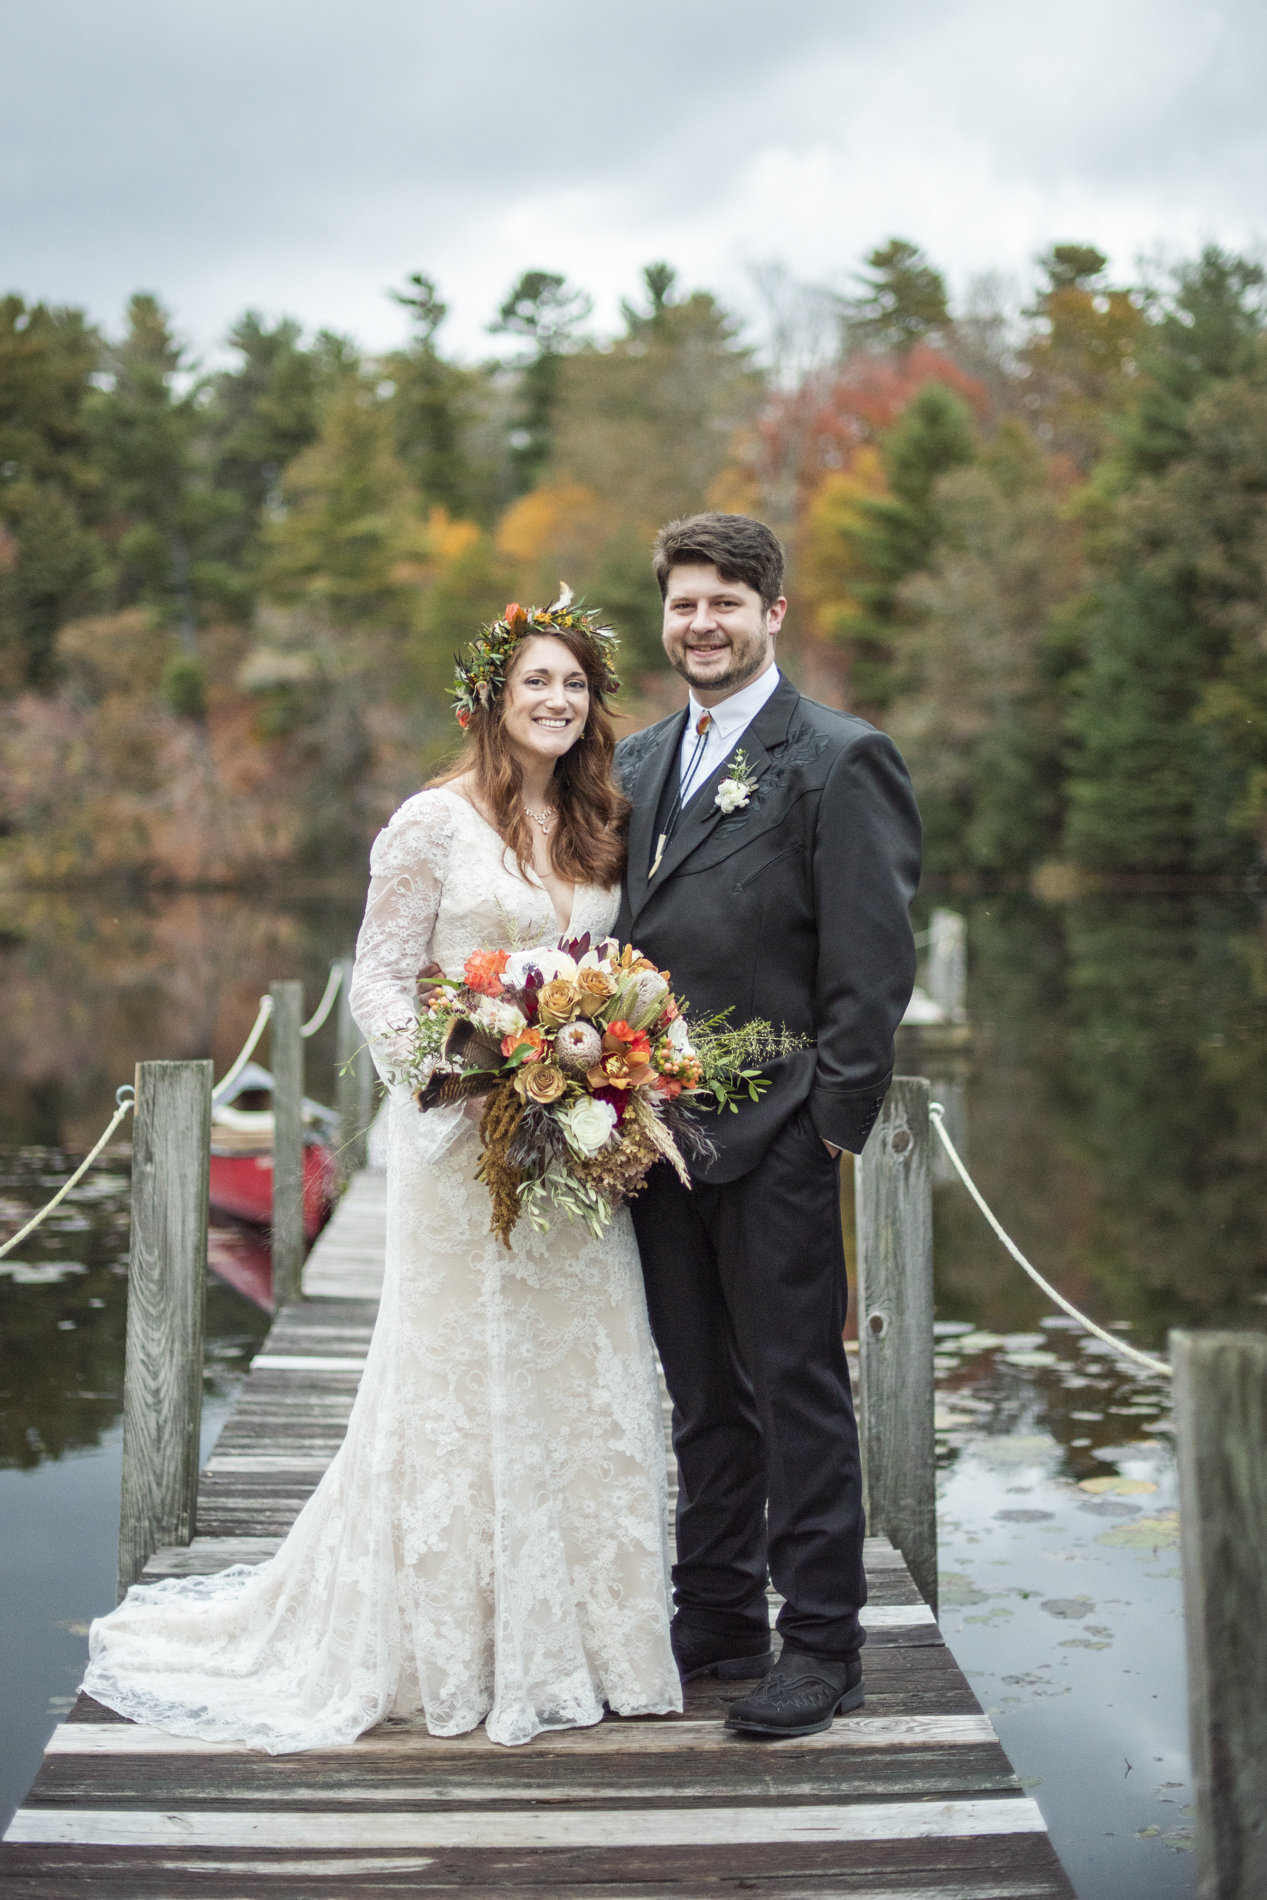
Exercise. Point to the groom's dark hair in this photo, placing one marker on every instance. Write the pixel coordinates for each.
(740, 548)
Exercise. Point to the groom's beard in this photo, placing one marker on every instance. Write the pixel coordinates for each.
(748, 657)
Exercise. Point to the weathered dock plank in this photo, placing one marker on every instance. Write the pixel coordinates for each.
(912, 1797)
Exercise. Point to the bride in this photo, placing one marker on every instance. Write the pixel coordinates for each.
(489, 1544)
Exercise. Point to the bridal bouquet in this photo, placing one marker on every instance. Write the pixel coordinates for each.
(588, 1067)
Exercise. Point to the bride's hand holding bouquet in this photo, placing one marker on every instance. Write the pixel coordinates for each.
(588, 1071)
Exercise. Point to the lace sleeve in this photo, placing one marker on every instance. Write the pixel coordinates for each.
(407, 870)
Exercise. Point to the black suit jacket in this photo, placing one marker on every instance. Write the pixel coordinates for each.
(793, 908)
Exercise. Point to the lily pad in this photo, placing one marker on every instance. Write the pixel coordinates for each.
(1024, 1449)
(1072, 1609)
(1146, 1533)
(1118, 1487)
(957, 1592)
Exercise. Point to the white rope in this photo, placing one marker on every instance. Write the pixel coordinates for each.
(322, 1010)
(124, 1108)
(245, 1053)
(936, 1112)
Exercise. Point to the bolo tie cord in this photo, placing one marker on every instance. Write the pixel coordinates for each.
(675, 811)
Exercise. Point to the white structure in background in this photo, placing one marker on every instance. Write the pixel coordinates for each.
(946, 974)
(939, 1007)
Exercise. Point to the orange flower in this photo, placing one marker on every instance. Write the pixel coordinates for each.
(619, 1032)
(514, 612)
(464, 718)
(534, 1039)
(614, 1072)
(483, 970)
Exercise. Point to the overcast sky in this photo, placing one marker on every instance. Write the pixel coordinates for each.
(302, 156)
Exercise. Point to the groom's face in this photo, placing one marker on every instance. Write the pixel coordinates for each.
(717, 634)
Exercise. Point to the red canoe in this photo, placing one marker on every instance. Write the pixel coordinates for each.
(242, 1183)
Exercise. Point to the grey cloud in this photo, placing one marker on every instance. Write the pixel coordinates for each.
(303, 155)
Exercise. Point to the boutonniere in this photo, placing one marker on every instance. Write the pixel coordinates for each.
(735, 788)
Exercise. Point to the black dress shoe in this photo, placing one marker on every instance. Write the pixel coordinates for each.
(731, 1658)
(801, 1696)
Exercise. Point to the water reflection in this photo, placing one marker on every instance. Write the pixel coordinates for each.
(1115, 1106)
(1061, 1592)
(63, 1306)
(92, 984)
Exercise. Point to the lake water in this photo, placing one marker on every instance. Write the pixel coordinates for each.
(1113, 1107)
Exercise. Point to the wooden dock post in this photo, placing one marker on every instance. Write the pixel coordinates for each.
(288, 1141)
(162, 1380)
(894, 1216)
(355, 1078)
(1221, 1420)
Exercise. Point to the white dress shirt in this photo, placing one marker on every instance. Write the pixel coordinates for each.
(730, 719)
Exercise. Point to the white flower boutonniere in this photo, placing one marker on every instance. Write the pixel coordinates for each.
(734, 790)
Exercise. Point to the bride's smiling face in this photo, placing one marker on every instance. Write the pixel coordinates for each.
(546, 701)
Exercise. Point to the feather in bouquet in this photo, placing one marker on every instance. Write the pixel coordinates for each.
(587, 1067)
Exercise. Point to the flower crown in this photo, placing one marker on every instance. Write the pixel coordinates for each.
(482, 677)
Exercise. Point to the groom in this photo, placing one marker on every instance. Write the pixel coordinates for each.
(785, 899)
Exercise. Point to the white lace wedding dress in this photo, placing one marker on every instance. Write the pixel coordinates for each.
(489, 1543)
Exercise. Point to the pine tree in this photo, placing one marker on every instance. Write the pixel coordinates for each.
(903, 300)
(546, 311)
(50, 560)
(980, 723)
(159, 510)
(1158, 775)
(442, 410)
(1080, 364)
(258, 417)
(860, 553)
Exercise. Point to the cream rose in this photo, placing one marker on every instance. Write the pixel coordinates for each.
(588, 1125)
(595, 986)
(542, 1083)
(556, 1001)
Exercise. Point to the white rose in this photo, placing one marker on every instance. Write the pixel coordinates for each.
(731, 795)
(588, 1125)
(499, 1019)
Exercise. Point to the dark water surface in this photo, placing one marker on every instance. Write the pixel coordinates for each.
(1114, 1111)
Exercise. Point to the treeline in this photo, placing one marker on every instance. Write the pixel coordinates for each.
(1033, 547)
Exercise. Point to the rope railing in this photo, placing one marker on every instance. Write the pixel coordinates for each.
(222, 1087)
(124, 1108)
(1145, 1359)
(324, 1007)
(245, 1053)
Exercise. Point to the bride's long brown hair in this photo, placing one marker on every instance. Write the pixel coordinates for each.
(587, 845)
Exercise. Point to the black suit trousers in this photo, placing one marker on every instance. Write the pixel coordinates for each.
(747, 1294)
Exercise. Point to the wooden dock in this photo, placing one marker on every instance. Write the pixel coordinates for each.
(912, 1796)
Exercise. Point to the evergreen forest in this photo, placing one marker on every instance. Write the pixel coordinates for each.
(1031, 545)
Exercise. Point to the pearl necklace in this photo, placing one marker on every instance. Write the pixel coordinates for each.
(544, 819)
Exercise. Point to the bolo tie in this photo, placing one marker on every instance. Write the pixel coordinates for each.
(675, 811)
